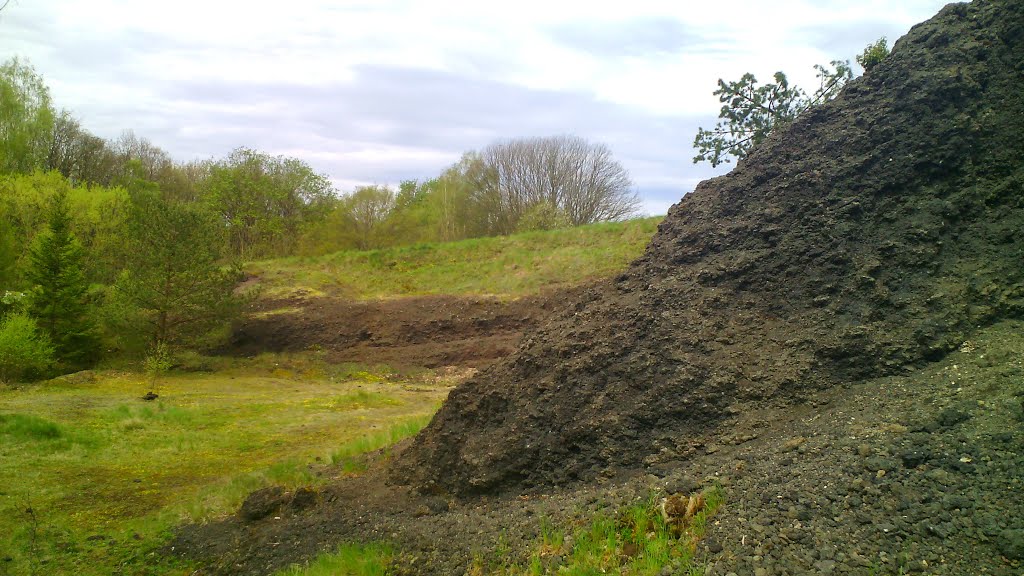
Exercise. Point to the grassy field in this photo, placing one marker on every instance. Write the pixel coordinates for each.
(92, 477)
(508, 266)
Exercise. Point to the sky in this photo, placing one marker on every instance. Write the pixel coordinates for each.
(379, 91)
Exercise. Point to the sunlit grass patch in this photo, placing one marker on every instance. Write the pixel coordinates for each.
(506, 266)
(107, 474)
(347, 560)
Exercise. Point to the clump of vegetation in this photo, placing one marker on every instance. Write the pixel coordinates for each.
(348, 559)
(638, 541)
(351, 456)
(751, 111)
(873, 54)
(25, 352)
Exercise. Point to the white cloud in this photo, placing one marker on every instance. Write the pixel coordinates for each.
(375, 91)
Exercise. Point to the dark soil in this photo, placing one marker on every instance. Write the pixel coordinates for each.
(832, 332)
(919, 473)
(874, 234)
(428, 331)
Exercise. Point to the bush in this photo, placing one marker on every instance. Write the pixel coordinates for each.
(25, 352)
(873, 54)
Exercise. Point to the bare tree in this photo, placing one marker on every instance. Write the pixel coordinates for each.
(581, 180)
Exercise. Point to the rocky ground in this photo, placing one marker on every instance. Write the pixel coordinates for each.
(919, 473)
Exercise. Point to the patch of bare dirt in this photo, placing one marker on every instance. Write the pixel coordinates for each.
(427, 331)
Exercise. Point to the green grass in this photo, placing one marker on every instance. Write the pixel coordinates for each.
(634, 542)
(507, 266)
(349, 456)
(92, 478)
(348, 560)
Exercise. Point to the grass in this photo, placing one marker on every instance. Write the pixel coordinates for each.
(351, 456)
(92, 478)
(636, 542)
(348, 560)
(507, 266)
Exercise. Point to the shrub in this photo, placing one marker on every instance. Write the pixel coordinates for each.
(873, 54)
(25, 352)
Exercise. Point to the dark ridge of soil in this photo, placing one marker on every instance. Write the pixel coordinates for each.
(900, 475)
(874, 234)
(425, 331)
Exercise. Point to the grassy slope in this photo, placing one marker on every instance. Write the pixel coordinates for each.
(91, 477)
(508, 266)
(106, 474)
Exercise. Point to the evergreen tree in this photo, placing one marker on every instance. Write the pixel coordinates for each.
(173, 283)
(58, 300)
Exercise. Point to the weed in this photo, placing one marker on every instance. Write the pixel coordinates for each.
(347, 560)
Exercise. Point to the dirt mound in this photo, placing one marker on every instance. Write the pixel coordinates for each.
(428, 331)
(873, 234)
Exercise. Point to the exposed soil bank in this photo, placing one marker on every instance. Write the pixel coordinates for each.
(875, 233)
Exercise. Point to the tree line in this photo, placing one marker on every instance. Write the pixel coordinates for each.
(113, 247)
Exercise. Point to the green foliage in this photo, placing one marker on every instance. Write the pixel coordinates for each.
(98, 219)
(93, 460)
(363, 216)
(173, 289)
(25, 351)
(26, 118)
(750, 111)
(350, 455)
(58, 297)
(511, 266)
(26, 427)
(265, 201)
(873, 54)
(347, 560)
(636, 541)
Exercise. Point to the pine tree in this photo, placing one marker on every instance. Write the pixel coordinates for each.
(58, 300)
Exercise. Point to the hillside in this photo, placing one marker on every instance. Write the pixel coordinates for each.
(874, 234)
(461, 303)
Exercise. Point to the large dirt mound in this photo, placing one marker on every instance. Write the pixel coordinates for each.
(873, 234)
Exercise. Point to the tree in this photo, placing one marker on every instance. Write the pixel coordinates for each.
(750, 112)
(364, 214)
(58, 298)
(578, 178)
(873, 54)
(26, 118)
(265, 201)
(173, 285)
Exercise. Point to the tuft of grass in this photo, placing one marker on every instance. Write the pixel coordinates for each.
(348, 456)
(347, 560)
(636, 542)
(504, 266)
(28, 427)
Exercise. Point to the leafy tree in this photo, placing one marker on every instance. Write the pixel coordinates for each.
(26, 118)
(173, 286)
(58, 297)
(364, 215)
(873, 54)
(750, 111)
(265, 201)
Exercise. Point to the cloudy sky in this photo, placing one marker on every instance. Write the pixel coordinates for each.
(377, 91)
